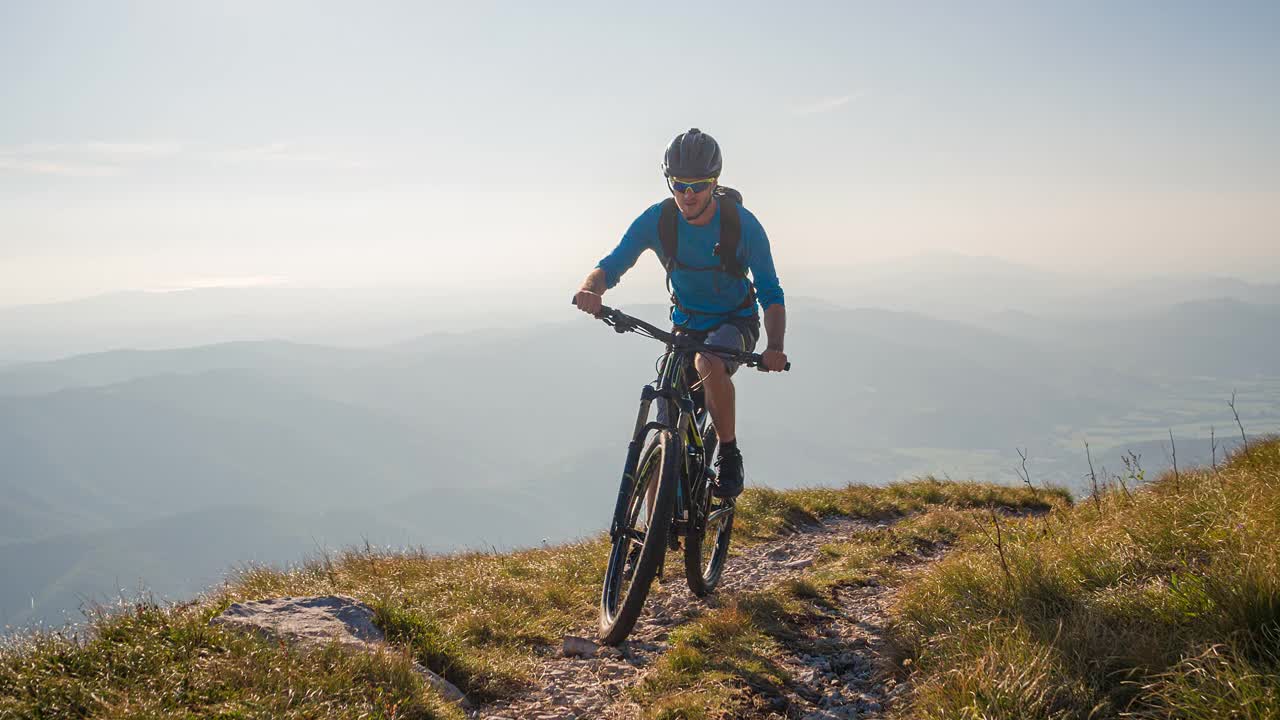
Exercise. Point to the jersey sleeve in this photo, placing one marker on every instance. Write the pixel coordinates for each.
(759, 260)
(641, 236)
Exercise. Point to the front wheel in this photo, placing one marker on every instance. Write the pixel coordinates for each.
(640, 536)
(707, 546)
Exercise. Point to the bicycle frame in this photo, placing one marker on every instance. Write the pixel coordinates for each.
(671, 386)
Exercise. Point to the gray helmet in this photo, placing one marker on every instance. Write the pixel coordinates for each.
(692, 154)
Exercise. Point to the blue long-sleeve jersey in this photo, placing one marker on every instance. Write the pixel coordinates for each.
(716, 293)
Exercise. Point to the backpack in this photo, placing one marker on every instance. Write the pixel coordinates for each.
(726, 249)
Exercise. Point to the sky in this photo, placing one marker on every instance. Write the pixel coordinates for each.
(160, 145)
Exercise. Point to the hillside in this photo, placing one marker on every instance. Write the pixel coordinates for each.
(924, 599)
(408, 442)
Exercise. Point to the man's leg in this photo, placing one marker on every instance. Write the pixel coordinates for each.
(718, 387)
(721, 403)
(717, 373)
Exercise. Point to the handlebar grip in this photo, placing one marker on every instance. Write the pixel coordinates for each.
(762, 368)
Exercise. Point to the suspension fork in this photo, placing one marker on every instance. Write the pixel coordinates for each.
(630, 468)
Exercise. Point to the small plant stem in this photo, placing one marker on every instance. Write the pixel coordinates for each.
(1244, 441)
(1093, 477)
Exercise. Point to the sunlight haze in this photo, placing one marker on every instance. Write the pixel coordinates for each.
(151, 145)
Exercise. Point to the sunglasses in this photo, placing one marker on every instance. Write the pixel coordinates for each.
(679, 186)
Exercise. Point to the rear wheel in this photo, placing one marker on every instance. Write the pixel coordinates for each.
(640, 542)
(707, 545)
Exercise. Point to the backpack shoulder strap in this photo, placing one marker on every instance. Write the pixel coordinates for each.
(668, 233)
(730, 235)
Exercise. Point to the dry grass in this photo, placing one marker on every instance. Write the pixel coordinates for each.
(722, 665)
(151, 662)
(475, 618)
(716, 659)
(1160, 602)
(764, 513)
(479, 619)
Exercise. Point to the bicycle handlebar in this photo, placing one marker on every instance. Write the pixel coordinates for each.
(622, 323)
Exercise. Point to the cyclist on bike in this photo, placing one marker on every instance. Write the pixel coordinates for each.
(712, 299)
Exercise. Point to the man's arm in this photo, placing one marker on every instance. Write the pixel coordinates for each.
(775, 326)
(768, 292)
(595, 282)
(642, 235)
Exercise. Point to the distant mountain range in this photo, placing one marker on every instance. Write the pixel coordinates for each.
(968, 288)
(162, 466)
(953, 287)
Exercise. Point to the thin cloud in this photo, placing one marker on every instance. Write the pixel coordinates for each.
(247, 281)
(86, 159)
(133, 149)
(96, 149)
(823, 105)
(293, 154)
(44, 167)
(107, 159)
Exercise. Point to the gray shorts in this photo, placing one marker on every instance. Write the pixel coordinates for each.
(743, 335)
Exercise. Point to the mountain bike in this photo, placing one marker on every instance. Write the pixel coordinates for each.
(667, 481)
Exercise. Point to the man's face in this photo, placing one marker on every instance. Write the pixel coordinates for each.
(692, 203)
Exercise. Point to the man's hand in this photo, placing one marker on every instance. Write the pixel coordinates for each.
(588, 302)
(774, 360)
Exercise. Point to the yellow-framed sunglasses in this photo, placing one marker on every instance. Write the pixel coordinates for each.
(679, 185)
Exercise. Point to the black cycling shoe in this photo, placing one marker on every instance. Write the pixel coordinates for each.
(729, 474)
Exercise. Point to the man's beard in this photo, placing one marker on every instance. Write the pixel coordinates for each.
(699, 212)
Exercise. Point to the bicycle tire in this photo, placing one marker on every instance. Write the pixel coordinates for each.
(702, 571)
(619, 608)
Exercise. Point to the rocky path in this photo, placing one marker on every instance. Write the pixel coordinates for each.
(832, 672)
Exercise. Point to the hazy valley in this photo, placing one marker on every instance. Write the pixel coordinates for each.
(164, 468)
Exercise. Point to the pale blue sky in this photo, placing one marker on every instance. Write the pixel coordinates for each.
(161, 144)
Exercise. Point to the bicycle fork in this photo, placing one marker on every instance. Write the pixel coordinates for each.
(642, 426)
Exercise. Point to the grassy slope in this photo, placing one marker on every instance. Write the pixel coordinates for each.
(723, 664)
(1162, 602)
(478, 619)
(1154, 602)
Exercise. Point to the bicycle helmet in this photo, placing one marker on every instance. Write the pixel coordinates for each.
(692, 154)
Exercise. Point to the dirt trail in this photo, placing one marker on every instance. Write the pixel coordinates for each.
(832, 672)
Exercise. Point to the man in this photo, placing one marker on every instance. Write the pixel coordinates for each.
(711, 297)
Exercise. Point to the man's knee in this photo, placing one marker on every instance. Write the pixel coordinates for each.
(710, 365)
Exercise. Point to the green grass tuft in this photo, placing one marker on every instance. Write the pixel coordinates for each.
(148, 661)
(764, 513)
(714, 659)
(1107, 608)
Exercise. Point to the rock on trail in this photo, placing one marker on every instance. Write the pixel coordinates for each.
(311, 621)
